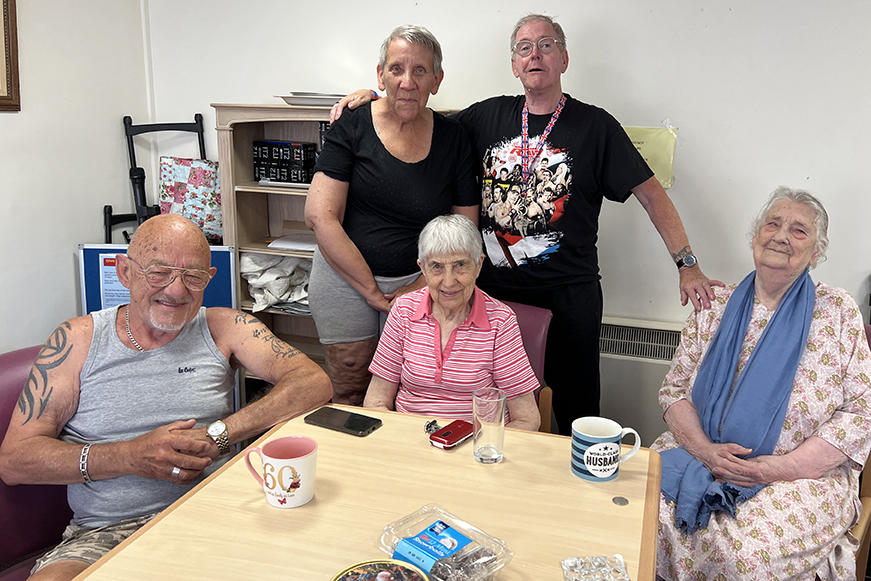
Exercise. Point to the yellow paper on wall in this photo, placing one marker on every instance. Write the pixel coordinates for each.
(656, 146)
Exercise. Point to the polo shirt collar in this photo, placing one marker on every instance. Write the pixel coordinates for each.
(477, 316)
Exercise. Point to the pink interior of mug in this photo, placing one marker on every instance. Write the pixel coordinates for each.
(289, 447)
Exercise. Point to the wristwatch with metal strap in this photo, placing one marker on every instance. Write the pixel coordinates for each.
(218, 432)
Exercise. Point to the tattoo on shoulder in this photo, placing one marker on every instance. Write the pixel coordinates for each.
(37, 392)
(683, 252)
(262, 332)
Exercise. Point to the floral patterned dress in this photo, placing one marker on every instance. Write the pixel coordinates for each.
(789, 530)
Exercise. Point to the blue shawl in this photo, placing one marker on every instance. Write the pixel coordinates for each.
(752, 413)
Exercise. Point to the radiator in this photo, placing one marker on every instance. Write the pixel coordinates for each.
(635, 356)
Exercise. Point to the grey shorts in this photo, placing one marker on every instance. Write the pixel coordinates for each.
(89, 544)
(341, 314)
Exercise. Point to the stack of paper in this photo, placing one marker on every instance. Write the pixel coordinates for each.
(295, 241)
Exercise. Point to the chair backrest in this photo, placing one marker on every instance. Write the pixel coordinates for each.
(534, 323)
(143, 211)
(32, 517)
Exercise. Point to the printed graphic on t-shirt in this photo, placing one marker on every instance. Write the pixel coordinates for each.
(519, 221)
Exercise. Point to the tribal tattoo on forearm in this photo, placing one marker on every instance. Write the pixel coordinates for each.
(683, 252)
(262, 332)
(37, 391)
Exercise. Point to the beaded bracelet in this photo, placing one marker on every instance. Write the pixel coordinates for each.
(83, 463)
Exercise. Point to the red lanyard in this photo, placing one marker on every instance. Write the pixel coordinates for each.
(524, 151)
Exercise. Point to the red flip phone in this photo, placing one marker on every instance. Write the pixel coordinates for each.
(452, 435)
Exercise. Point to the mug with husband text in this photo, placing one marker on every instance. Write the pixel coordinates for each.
(288, 473)
(596, 448)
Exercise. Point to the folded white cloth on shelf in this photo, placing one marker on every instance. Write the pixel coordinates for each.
(275, 279)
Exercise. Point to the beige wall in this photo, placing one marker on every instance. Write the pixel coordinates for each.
(62, 157)
(763, 93)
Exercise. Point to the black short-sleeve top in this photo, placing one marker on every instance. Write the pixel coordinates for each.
(389, 200)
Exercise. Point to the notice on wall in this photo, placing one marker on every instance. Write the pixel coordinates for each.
(112, 292)
(656, 146)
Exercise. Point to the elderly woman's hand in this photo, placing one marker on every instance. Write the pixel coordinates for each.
(812, 459)
(724, 460)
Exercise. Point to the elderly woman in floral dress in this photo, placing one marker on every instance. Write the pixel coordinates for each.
(767, 407)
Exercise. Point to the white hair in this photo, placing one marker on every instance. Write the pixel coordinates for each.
(450, 234)
(821, 217)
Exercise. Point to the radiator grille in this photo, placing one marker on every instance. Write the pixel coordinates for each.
(638, 342)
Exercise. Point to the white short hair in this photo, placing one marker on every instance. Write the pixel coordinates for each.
(450, 234)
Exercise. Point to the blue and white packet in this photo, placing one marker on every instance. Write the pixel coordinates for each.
(438, 541)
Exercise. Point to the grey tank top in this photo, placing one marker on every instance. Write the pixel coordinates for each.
(126, 393)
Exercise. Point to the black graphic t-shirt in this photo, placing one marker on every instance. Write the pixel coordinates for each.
(543, 233)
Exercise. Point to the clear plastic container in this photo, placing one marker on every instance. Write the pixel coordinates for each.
(607, 568)
(477, 561)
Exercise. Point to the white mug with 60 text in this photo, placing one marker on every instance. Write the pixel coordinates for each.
(288, 473)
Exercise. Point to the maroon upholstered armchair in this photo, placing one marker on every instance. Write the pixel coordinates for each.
(534, 323)
(32, 518)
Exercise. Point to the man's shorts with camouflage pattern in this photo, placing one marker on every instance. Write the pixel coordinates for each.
(89, 544)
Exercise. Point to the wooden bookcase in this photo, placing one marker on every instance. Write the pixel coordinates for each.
(253, 213)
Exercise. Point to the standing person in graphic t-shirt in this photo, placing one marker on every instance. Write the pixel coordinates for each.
(541, 245)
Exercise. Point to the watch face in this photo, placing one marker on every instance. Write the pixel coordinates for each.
(217, 428)
(690, 260)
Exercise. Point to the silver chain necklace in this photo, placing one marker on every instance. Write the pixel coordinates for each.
(129, 334)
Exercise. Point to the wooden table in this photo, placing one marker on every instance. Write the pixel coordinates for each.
(224, 528)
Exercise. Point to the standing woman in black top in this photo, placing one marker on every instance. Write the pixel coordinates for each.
(384, 172)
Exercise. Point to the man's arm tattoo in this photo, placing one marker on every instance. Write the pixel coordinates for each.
(262, 332)
(683, 252)
(37, 392)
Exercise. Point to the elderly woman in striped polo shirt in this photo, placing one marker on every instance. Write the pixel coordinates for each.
(444, 341)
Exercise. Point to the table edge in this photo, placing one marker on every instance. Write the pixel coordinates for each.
(650, 520)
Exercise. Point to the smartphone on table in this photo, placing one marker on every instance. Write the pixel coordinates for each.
(452, 435)
(343, 421)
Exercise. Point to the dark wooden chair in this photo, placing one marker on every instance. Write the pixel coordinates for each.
(137, 174)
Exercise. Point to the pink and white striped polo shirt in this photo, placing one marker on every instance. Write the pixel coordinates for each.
(485, 350)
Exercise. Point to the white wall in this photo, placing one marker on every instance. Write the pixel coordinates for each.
(63, 157)
(763, 93)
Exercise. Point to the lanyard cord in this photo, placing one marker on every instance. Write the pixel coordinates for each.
(524, 149)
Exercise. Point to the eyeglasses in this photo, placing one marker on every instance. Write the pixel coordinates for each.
(545, 46)
(163, 276)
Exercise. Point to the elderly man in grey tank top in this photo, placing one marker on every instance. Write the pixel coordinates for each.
(131, 405)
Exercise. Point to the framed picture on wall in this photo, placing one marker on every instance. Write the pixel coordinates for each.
(10, 100)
